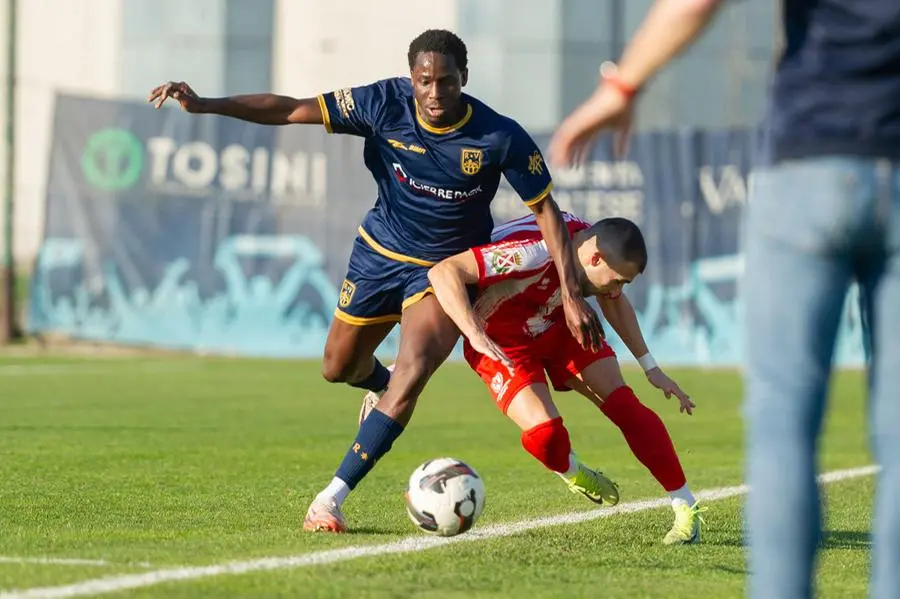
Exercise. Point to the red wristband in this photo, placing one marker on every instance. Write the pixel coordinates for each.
(609, 72)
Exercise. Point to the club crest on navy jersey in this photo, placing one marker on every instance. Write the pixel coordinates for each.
(470, 160)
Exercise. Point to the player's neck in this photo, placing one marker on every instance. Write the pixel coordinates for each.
(578, 241)
(583, 284)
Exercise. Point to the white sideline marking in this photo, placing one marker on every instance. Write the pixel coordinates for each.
(411, 544)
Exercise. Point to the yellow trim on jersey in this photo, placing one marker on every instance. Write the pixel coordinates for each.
(541, 196)
(444, 130)
(326, 118)
(417, 297)
(388, 253)
(361, 321)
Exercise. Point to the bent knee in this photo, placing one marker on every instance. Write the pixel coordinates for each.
(334, 372)
(337, 369)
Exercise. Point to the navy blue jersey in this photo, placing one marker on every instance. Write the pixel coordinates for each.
(837, 84)
(435, 185)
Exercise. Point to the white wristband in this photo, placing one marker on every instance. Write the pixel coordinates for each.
(647, 362)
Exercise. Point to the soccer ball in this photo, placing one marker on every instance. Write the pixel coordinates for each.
(445, 497)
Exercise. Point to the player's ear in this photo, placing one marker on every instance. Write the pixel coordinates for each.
(464, 77)
(596, 258)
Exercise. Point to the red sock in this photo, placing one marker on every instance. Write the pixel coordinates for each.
(549, 443)
(646, 436)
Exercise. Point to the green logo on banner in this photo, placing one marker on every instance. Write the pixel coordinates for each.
(112, 159)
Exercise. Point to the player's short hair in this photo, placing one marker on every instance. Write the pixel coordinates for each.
(440, 41)
(622, 238)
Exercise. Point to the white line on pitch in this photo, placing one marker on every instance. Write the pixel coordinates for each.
(411, 544)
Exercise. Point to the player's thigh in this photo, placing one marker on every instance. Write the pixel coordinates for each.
(425, 330)
(350, 348)
(598, 380)
(524, 385)
(369, 305)
(427, 336)
(594, 374)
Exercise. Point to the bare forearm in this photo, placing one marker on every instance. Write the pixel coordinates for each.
(559, 244)
(265, 109)
(669, 28)
(621, 316)
(449, 286)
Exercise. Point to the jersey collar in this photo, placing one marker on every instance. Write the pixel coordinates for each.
(449, 128)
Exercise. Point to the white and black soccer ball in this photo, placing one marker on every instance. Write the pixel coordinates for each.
(445, 497)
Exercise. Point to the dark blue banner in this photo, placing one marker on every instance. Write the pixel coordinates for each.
(206, 233)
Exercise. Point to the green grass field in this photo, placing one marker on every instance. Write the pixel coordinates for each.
(157, 463)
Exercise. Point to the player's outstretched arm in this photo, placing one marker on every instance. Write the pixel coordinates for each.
(449, 279)
(264, 109)
(621, 316)
(581, 319)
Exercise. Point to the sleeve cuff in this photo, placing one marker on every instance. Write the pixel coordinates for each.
(326, 117)
(540, 197)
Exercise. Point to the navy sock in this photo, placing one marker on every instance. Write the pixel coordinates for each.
(374, 439)
(377, 381)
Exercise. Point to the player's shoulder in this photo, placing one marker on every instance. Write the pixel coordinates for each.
(401, 86)
(492, 121)
(517, 255)
(575, 223)
(391, 88)
(526, 228)
(385, 100)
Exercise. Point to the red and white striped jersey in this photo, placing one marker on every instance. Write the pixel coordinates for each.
(519, 294)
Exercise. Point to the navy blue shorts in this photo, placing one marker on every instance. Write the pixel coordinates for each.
(377, 288)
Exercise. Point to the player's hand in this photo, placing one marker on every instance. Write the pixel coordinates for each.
(669, 387)
(584, 323)
(179, 91)
(484, 345)
(606, 109)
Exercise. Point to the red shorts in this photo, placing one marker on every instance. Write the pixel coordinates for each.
(555, 352)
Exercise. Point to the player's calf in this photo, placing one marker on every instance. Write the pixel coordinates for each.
(375, 438)
(649, 441)
(428, 339)
(651, 444)
(549, 443)
(407, 382)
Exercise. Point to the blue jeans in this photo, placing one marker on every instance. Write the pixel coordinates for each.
(815, 226)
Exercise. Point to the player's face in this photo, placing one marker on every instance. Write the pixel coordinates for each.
(437, 85)
(607, 276)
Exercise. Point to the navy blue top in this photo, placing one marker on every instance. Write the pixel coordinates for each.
(435, 185)
(836, 88)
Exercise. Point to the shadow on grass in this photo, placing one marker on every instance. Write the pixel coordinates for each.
(831, 539)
